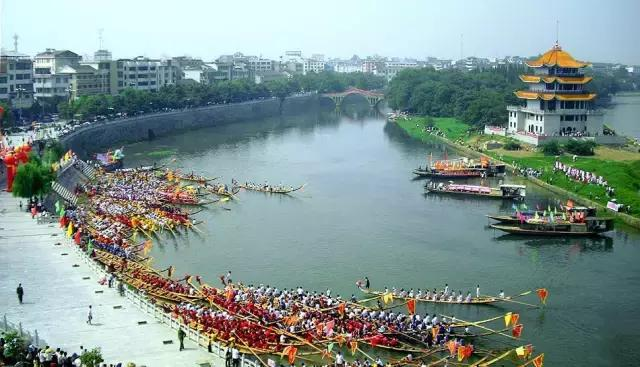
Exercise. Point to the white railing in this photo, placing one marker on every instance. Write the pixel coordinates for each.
(30, 338)
(145, 305)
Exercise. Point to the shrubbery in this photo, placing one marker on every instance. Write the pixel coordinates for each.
(551, 148)
(512, 145)
(580, 147)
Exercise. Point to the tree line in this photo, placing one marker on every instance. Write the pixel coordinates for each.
(478, 97)
(194, 95)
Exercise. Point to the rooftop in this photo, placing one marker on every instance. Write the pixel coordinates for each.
(556, 57)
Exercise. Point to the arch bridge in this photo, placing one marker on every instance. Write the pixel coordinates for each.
(372, 97)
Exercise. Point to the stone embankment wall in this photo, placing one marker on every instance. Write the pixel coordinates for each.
(98, 136)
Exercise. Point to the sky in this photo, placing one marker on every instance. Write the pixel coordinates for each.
(596, 31)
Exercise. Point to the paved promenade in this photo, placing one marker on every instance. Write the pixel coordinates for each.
(57, 297)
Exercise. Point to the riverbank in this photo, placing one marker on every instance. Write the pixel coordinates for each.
(620, 168)
(58, 293)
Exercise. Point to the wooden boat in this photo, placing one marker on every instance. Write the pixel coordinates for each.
(483, 300)
(450, 173)
(505, 191)
(193, 178)
(514, 218)
(592, 226)
(221, 190)
(269, 189)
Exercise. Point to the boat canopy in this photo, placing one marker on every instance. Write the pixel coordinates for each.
(511, 186)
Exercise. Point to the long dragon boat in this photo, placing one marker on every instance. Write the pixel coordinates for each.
(269, 189)
(505, 191)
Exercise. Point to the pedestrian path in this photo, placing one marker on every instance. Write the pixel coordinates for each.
(59, 287)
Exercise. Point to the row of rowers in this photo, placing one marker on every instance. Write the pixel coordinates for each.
(303, 312)
(444, 295)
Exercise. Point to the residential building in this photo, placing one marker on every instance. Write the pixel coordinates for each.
(16, 79)
(557, 102)
(312, 66)
(146, 74)
(52, 72)
(391, 68)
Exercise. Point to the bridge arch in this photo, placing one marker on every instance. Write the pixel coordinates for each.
(372, 97)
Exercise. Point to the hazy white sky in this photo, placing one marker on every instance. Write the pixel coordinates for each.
(591, 30)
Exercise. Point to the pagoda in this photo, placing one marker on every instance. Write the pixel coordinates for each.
(557, 102)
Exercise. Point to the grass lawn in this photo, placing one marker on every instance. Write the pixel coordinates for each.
(622, 175)
(453, 128)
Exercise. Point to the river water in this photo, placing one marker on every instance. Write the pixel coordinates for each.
(362, 213)
(624, 117)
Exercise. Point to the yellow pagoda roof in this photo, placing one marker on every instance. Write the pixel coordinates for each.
(559, 96)
(556, 57)
(559, 79)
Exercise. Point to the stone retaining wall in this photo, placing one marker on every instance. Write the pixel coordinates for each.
(100, 136)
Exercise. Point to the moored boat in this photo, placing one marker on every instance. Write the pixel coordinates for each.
(505, 191)
(591, 226)
(521, 216)
(449, 173)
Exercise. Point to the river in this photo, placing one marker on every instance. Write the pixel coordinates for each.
(362, 213)
(624, 116)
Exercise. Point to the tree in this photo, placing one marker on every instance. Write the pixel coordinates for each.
(92, 358)
(33, 178)
(551, 148)
(578, 147)
(13, 345)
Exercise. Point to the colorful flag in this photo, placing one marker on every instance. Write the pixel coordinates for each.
(70, 229)
(341, 308)
(411, 306)
(507, 319)
(340, 339)
(461, 353)
(514, 319)
(354, 346)
(451, 345)
(520, 352)
(292, 355)
(90, 247)
(330, 347)
(542, 294)
(539, 361)
(517, 330)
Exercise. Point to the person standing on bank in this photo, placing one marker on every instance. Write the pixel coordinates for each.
(20, 293)
(181, 336)
(90, 315)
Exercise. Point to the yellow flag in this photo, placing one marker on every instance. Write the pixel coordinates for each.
(70, 229)
(460, 354)
(520, 351)
(507, 319)
(387, 298)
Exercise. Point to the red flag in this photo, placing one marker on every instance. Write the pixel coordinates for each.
(292, 355)
(1, 112)
(539, 360)
(411, 306)
(77, 237)
(542, 294)
(517, 330)
(514, 318)
(468, 351)
(319, 328)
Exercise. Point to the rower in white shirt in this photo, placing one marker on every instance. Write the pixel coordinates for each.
(446, 289)
(468, 299)
(478, 291)
(501, 294)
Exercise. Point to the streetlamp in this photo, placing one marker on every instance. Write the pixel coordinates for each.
(19, 92)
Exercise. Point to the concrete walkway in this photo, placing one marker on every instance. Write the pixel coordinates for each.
(57, 297)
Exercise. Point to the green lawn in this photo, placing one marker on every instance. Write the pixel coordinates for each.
(623, 176)
(453, 128)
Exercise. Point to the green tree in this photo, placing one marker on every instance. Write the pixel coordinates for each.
(579, 147)
(92, 358)
(551, 148)
(13, 345)
(33, 178)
